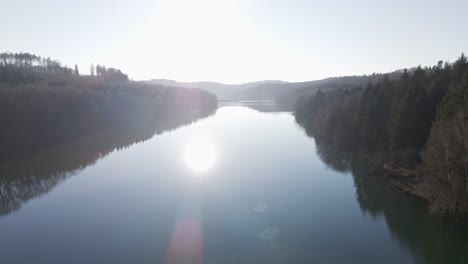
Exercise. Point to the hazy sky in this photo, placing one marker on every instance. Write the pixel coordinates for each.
(237, 41)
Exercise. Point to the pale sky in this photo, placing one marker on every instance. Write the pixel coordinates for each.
(235, 41)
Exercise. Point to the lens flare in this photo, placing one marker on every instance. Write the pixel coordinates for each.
(186, 245)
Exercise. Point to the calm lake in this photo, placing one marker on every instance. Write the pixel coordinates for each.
(245, 185)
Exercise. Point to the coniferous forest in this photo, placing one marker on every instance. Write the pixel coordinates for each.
(43, 103)
(414, 127)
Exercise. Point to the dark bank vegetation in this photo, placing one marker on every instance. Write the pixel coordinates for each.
(416, 125)
(43, 103)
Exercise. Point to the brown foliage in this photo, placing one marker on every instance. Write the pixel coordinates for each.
(445, 166)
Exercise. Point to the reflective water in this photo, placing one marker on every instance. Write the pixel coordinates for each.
(241, 186)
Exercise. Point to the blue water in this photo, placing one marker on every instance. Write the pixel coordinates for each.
(252, 190)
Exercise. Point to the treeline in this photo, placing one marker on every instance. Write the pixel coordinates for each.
(289, 93)
(22, 68)
(25, 68)
(43, 103)
(417, 121)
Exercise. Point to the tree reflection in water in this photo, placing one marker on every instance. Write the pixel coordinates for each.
(429, 238)
(36, 174)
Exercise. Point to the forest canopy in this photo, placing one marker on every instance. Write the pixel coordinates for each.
(419, 120)
(43, 102)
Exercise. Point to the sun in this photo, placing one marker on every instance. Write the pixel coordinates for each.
(200, 155)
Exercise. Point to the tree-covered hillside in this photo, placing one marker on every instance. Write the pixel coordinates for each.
(44, 103)
(417, 122)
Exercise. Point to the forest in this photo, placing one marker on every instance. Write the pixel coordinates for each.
(43, 103)
(413, 127)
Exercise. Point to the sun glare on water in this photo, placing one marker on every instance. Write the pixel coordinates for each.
(200, 155)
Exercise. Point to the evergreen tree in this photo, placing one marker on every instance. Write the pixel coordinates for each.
(455, 101)
(365, 97)
(92, 70)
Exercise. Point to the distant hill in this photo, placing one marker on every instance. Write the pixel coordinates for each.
(223, 91)
(283, 92)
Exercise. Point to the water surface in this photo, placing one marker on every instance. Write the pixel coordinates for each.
(245, 185)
